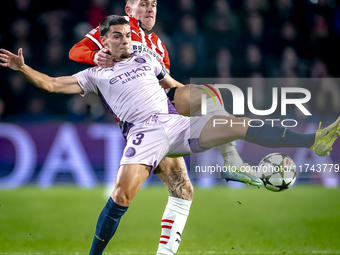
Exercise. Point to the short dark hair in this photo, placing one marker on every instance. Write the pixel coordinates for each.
(129, 2)
(109, 21)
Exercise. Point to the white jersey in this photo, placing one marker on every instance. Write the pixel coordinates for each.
(130, 89)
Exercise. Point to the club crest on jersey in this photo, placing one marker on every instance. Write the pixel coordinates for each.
(130, 152)
(140, 60)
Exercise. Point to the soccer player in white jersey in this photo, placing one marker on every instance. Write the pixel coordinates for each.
(131, 91)
(142, 17)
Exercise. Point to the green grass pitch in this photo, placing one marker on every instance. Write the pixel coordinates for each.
(61, 220)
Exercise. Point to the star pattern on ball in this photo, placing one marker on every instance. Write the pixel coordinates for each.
(277, 172)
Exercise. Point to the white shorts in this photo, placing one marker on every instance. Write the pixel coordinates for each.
(163, 135)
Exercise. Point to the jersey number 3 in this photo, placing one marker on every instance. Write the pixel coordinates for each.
(138, 139)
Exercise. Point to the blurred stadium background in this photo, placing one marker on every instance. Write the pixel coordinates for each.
(48, 139)
(253, 39)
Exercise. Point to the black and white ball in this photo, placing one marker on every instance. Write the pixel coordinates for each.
(277, 172)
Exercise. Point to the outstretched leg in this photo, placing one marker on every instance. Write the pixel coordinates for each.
(129, 179)
(187, 101)
(220, 129)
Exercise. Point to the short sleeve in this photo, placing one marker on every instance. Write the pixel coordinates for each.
(85, 79)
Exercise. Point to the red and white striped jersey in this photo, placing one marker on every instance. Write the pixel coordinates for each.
(141, 41)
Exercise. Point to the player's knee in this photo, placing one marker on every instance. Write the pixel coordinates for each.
(171, 165)
(121, 198)
(182, 100)
(182, 94)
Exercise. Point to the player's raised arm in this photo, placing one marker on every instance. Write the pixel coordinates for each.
(84, 51)
(88, 52)
(64, 85)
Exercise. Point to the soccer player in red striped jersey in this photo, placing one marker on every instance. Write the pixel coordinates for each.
(143, 40)
(155, 128)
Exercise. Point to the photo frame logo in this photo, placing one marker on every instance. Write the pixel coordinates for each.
(239, 99)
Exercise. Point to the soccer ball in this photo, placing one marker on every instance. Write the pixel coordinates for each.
(277, 172)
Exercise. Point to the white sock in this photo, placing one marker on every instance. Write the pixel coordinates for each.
(228, 150)
(230, 154)
(173, 222)
(215, 109)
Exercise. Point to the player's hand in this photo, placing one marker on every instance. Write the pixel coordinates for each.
(103, 58)
(15, 62)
